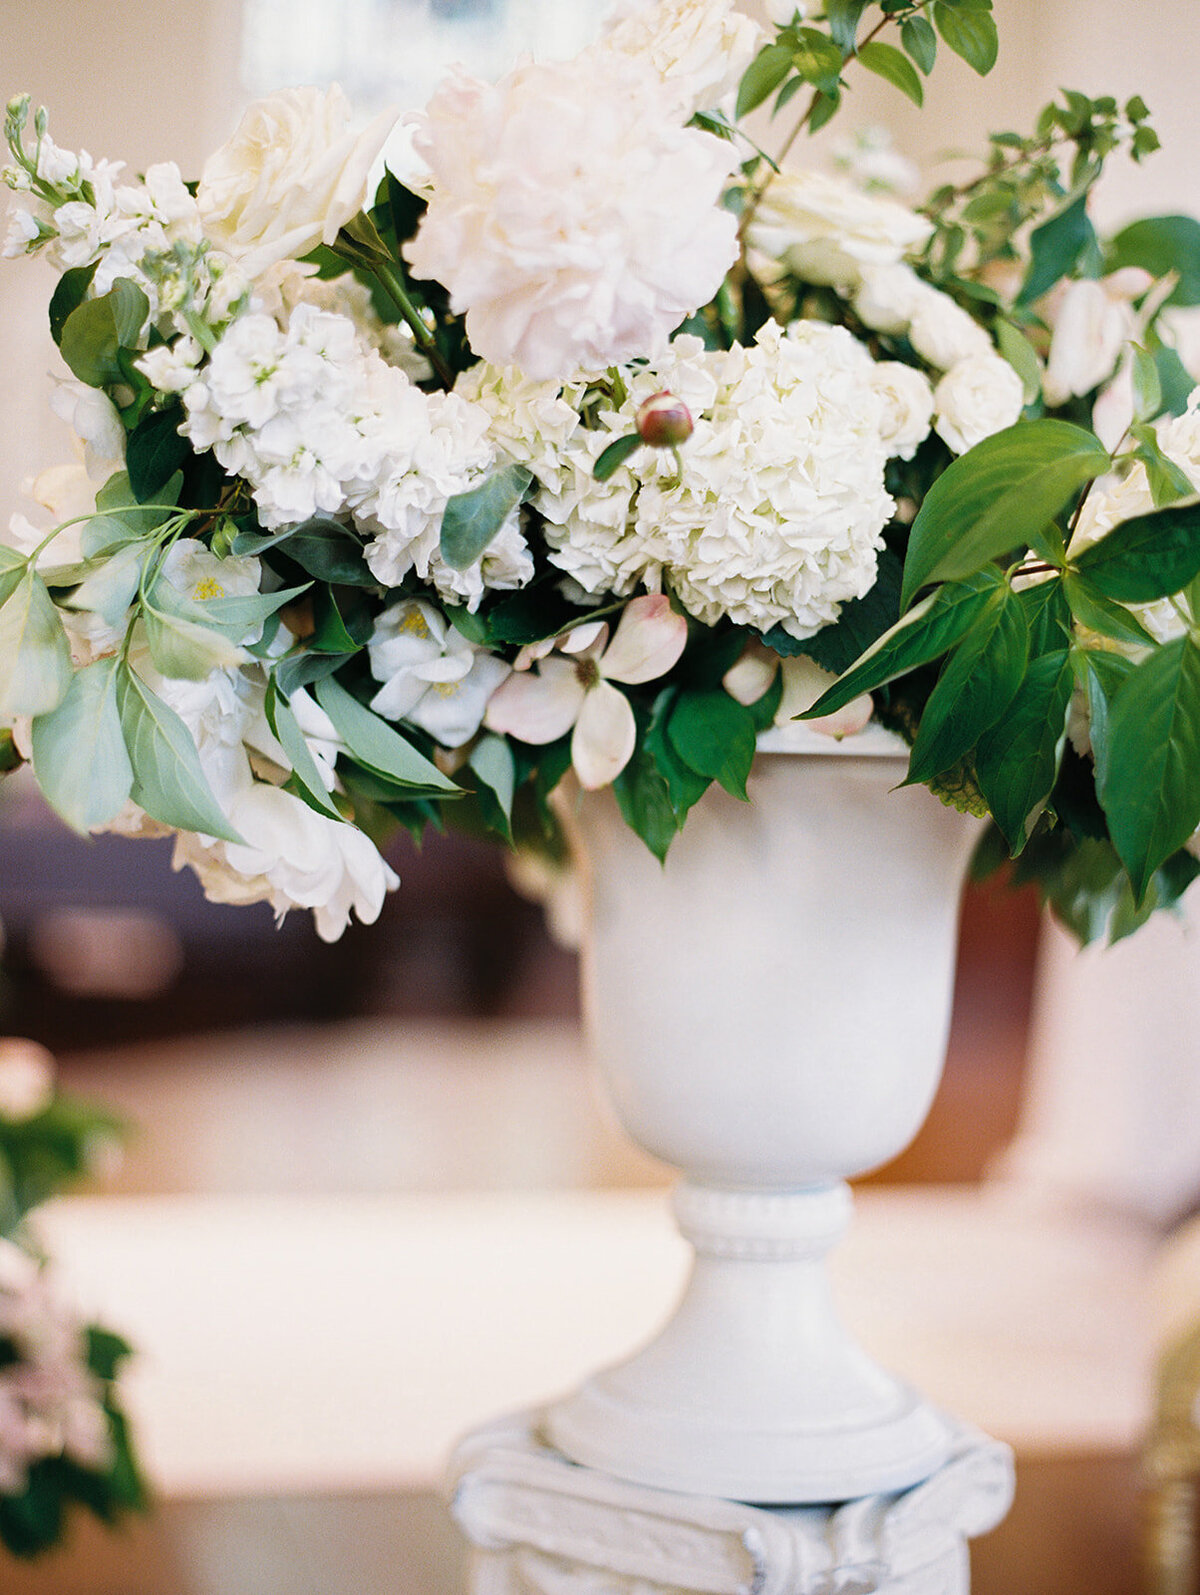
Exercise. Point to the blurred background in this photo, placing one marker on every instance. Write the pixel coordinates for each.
(438, 1053)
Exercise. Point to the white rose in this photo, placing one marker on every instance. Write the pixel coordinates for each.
(26, 1079)
(290, 177)
(887, 296)
(432, 676)
(1091, 325)
(827, 231)
(907, 407)
(781, 12)
(942, 332)
(977, 397)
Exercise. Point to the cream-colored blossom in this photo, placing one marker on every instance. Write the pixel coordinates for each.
(827, 231)
(699, 48)
(432, 676)
(976, 398)
(291, 176)
(907, 407)
(572, 218)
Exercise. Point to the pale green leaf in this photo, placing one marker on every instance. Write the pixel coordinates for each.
(168, 781)
(373, 742)
(79, 754)
(471, 520)
(35, 657)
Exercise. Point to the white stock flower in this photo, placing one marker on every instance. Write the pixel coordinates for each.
(699, 48)
(827, 231)
(907, 407)
(976, 398)
(290, 177)
(572, 218)
(432, 676)
(573, 688)
(26, 1079)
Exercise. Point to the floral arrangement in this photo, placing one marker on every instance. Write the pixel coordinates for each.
(602, 443)
(64, 1441)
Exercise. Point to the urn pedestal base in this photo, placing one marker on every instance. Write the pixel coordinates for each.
(541, 1525)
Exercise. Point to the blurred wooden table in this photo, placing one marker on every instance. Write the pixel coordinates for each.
(1073, 1531)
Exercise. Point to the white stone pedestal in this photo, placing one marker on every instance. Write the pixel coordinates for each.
(543, 1526)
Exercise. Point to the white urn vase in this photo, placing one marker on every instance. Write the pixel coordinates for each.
(770, 1011)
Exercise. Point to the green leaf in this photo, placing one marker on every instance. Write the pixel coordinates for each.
(714, 735)
(495, 770)
(1048, 616)
(233, 616)
(817, 59)
(373, 743)
(116, 500)
(1147, 557)
(1101, 675)
(762, 77)
(685, 787)
(1160, 244)
(645, 803)
(473, 519)
(182, 649)
(98, 329)
(168, 781)
(1151, 786)
(324, 548)
(306, 783)
(104, 534)
(1021, 355)
(970, 34)
(1174, 378)
(1055, 248)
(610, 460)
(997, 497)
(109, 591)
(1147, 385)
(332, 634)
(919, 39)
(79, 754)
(977, 685)
(1094, 610)
(936, 624)
(35, 657)
(70, 293)
(886, 62)
(1016, 762)
(843, 17)
(155, 450)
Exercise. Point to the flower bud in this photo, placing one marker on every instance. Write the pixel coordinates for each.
(664, 421)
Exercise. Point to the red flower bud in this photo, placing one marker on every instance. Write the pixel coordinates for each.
(664, 421)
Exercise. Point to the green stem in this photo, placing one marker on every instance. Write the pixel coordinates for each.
(393, 282)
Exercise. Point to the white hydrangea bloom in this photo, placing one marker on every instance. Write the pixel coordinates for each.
(777, 513)
(572, 217)
(699, 48)
(977, 397)
(432, 676)
(827, 231)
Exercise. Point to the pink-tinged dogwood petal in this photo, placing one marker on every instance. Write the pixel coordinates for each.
(749, 678)
(537, 708)
(848, 721)
(649, 640)
(803, 683)
(605, 736)
(593, 634)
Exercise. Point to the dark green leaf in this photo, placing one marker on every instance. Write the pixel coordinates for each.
(998, 497)
(1055, 248)
(975, 688)
(1174, 379)
(155, 451)
(969, 33)
(1147, 557)
(72, 290)
(714, 735)
(1101, 675)
(322, 547)
(1016, 762)
(843, 17)
(331, 633)
(374, 743)
(926, 632)
(684, 787)
(1160, 244)
(642, 796)
(614, 456)
(1048, 616)
(79, 754)
(825, 105)
(763, 76)
(473, 519)
(886, 62)
(98, 329)
(919, 39)
(1151, 786)
(495, 771)
(1098, 613)
(168, 781)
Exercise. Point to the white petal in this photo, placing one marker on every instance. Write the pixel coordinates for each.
(581, 638)
(537, 708)
(605, 736)
(649, 640)
(750, 677)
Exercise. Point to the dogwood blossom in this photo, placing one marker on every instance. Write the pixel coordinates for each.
(572, 217)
